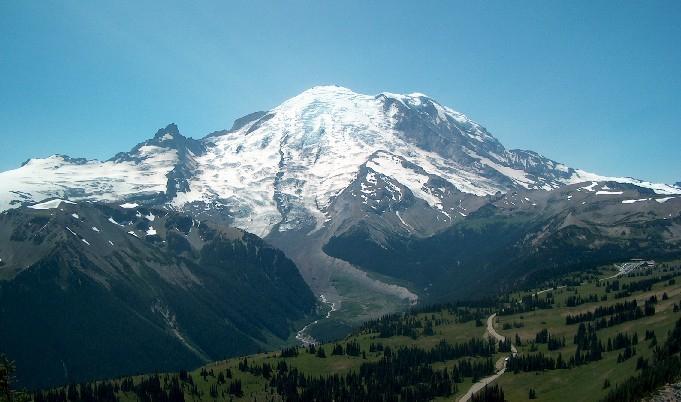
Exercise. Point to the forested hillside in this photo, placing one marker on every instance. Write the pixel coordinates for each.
(617, 336)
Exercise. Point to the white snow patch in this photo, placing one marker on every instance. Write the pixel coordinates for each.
(602, 192)
(634, 201)
(129, 205)
(663, 200)
(75, 216)
(114, 222)
(95, 229)
(391, 166)
(402, 220)
(132, 233)
(580, 176)
(590, 187)
(518, 176)
(85, 241)
(51, 204)
(151, 231)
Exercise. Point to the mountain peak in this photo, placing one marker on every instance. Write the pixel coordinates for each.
(168, 133)
(330, 94)
(327, 89)
(285, 168)
(322, 94)
(55, 160)
(412, 96)
(168, 138)
(337, 91)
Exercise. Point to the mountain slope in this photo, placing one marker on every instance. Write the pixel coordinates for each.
(114, 290)
(524, 236)
(384, 172)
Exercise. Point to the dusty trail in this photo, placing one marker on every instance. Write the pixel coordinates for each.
(500, 364)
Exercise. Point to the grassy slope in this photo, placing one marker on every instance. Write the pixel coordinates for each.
(583, 383)
(341, 364)
(254, 386)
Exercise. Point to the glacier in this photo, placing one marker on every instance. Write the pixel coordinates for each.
(283, 169)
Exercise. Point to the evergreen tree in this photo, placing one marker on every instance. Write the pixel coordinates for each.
(489, 394)
(532, 394)
(235, 388)
(7, 369)
(320, 352)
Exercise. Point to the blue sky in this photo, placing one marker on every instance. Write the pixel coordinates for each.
(594, 84)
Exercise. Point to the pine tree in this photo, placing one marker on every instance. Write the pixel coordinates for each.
(320, 352)
(235, 388)
(532, 394)
(7, 369)
(337, 350)
(72, 393)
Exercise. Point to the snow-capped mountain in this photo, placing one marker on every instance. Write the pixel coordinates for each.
(145, 170)
(347, 184)
(283, 169)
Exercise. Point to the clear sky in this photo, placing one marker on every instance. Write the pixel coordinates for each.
(594, 84)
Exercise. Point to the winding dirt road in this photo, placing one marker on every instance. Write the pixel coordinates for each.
(495, 334)
(500, 364)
